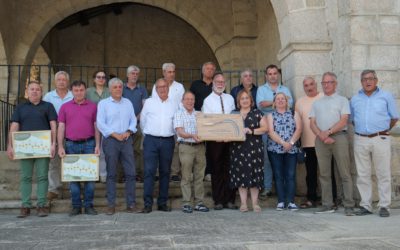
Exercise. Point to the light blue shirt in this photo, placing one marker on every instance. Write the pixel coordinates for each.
(115, 116)
(265, 93)
(372, 114)
(56, 100)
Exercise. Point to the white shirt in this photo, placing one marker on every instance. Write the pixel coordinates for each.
(212, 104)
(175, 93)
(157, 117)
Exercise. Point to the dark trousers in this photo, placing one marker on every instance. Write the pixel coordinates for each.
(312, 176)
(218, 157)
(115, 150)
(157, 152)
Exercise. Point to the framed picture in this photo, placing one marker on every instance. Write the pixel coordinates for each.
(31, 144)
(220, 127)
(83, 167)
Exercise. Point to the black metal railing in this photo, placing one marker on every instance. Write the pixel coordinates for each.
(13, 79)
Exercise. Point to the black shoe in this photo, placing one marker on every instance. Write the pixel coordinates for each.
(156, 178)
(164, 208)
(187, 209)
(75, 211)
(175, 178)
(147, 209)
(218, 207)
(90, 211)
(362, 211)
(384, 212)
(230, 205)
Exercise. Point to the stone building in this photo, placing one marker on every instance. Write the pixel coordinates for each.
(304, 37)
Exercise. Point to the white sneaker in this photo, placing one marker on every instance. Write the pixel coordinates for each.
(280, 206)
(292, 207)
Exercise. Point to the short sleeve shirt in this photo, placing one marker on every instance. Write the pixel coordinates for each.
(31, 117)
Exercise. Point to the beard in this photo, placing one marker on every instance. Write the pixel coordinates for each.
(219, 90)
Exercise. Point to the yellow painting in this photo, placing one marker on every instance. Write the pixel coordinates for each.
(31, 144)
(82, 167)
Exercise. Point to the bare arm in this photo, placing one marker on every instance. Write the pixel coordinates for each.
(97, 139)
(263, 127)
(53, 128)
(14, 127)
(264, 104)
(299, 128)
(181, 133)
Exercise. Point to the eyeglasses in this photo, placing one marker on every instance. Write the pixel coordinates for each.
(328, 82)
(368, 79)
(100, 77)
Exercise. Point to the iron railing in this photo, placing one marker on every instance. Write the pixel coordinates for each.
(13, 79)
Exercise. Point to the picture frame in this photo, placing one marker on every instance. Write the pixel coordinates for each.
(80, 167)
(31, 144)
(220, 127)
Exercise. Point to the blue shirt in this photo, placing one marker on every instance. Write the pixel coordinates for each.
(265, 93)
(284, 126)
(372, 114)
(56, 100)
(115, 116)
(136, 95)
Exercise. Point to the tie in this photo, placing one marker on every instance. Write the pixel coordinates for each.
(222, 104)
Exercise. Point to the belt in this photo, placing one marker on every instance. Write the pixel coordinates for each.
(81, 140)
(385, 132)
(340, 132)
(191, 143)
(161, 137)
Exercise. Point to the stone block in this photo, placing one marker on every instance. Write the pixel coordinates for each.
(359, 56)
(384, 57)
(305, 27)
(390, 29)
(315, 3)
(280, 9)
(362, 29)
(294, 5)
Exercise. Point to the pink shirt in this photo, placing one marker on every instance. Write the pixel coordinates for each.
(79, 119)
(303, 107)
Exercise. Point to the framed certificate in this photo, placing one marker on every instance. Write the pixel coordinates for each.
(220, 127)
(83, 167)
(31, 144)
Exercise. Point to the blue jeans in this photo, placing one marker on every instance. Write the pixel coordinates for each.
(267, 165)
(115, 150)
(284, 166)
(157, 152)
(75, 187)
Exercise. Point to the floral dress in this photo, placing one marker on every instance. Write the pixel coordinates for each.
(247, 157)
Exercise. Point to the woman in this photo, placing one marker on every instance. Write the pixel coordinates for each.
(96, 94)
(247, 158)
(284, 131)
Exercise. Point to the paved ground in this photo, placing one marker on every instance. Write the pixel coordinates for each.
(226, 229)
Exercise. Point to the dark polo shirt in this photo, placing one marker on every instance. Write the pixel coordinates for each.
(200, 90)
(34, 117)
(136, 96)
(235, 91)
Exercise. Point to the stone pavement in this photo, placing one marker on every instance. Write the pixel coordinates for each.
(226, 229)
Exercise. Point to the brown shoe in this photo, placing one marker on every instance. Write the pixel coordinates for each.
(24, 212)
(110, 211)
(52, 196)
(42, 212)
(131, 209)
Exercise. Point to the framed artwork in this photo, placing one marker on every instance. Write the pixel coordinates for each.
(82, 167)
(31, 144)
(220, 127)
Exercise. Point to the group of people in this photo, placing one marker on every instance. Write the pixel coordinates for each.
(115, 120)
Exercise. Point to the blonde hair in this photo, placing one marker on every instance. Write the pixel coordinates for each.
(286, 98)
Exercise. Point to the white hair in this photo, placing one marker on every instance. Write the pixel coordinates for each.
(113, 81)
(132, 68)
(61, 73)
(165, 66)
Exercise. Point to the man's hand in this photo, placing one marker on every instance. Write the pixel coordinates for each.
(97, 150)
(323, 135)
(10, 153)
(53, 150)
(287, 146)
(329, 140)
(61, 152)
(196, 138)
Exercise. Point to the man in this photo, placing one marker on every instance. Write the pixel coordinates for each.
(116, 121)
(77, 125)
(33, 115)
(246, 80)
(218, 152)
(303, 108)
(158, 146)
(191, 155)
(201, 89)
(265, 97)
(137, 94)
(57, 97)
(175, 93)
(329, 117)
(374, 113)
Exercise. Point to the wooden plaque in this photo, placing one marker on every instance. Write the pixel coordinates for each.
(82, 167)
(220, 127)
(31, 144)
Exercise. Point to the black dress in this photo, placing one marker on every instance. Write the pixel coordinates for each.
(247, 158)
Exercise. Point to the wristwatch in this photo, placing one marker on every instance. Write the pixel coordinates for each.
(291, 143)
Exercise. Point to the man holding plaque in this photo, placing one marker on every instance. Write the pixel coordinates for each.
(116, 121)
(33, 115)
(77, 124)
(218, 152)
